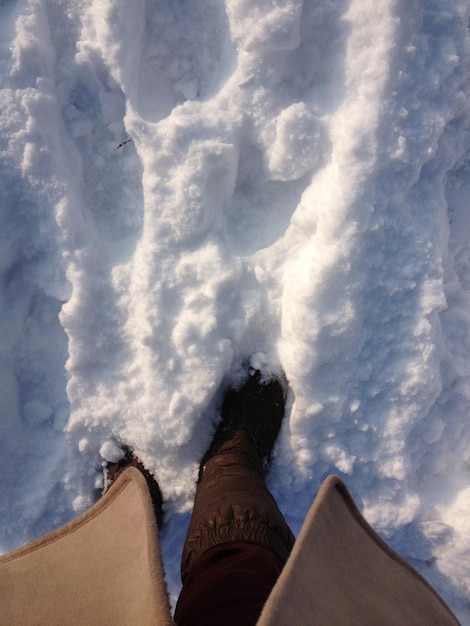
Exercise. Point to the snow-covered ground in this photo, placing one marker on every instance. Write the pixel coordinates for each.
(293, 180)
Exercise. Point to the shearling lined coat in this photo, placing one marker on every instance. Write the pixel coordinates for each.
(105, 567)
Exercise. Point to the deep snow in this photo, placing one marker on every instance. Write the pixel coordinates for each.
(293, 180)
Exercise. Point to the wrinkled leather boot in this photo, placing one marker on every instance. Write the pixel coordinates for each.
(232, 501)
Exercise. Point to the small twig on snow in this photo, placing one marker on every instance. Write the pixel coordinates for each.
(123, 143)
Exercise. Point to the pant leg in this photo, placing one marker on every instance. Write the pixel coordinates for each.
(233, 508)
(232, 503)
(228, 585)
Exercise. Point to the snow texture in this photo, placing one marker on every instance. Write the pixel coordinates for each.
(183, 184)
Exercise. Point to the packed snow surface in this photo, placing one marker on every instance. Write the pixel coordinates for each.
(186, 184)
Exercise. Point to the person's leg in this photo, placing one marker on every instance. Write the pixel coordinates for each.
(228, 585)
(238, 539)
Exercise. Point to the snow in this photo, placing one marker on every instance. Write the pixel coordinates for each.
(294, 182)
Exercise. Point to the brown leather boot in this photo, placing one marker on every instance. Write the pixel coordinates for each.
(232, 501)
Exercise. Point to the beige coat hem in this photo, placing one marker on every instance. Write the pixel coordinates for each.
(341, 573)
(104, 567)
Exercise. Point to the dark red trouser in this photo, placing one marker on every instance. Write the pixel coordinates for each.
(237, 542)
(228, 585)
